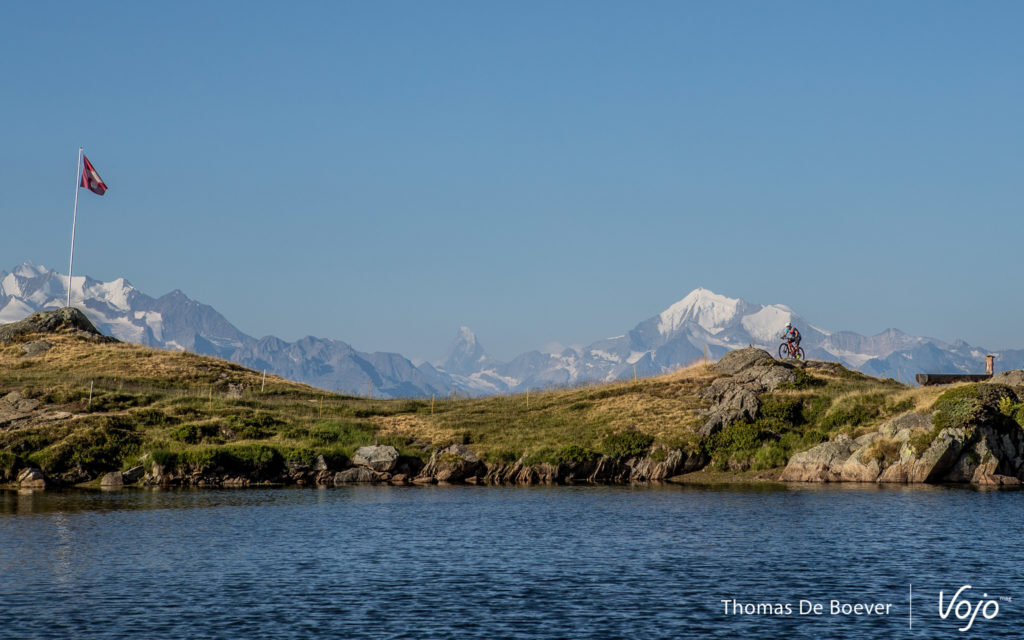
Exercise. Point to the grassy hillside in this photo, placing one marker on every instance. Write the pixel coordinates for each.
(184, 409)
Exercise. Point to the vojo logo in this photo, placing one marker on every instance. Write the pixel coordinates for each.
(964, 609)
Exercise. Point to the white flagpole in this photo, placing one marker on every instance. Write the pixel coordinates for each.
(74, 221)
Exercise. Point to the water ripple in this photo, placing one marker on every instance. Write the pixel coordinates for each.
(458, 562)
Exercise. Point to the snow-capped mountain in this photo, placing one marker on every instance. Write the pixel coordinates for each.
(174, 321)
(701, 323)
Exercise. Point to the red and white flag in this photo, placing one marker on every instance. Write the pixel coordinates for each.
(91, 180)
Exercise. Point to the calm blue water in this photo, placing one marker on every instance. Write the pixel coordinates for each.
(468, 562)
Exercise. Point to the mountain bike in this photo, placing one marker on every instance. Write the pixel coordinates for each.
(790, 350)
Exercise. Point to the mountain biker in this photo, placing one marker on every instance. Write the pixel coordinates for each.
(792, 337)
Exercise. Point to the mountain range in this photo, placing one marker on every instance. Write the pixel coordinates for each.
(701, 324)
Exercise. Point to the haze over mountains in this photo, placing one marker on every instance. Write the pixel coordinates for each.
(702, 320)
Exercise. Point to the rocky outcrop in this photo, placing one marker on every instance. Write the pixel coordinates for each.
(68, 320)
(747, 373)
(986, 448)
(454, 464)
(19, 412)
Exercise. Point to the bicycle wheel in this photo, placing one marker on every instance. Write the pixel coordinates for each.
(783, 351)
(800, 353)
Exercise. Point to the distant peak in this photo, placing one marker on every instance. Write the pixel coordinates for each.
(703, 306)
(28, 269)
(465, 354)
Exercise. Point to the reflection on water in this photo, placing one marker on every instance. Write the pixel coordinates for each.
(485, 562)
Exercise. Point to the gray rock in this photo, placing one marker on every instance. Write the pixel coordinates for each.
(646, 469)
(939, 458)
(16, 403)
(1013, 378)
(112, 480)
(741, 359)
(381, 458)
(133, 475)
(35, 348)
(855, 469)
(458, 461)
(906, 421)
(66, 320)
(356, 474)
(821, 463)
(31, 478)
(735, 397)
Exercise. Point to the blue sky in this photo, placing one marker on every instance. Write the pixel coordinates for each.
(542, 172)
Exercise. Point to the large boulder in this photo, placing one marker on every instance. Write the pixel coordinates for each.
(454, 464)
(382, 458)
(112, 480)
(35, 348)
(31, 478)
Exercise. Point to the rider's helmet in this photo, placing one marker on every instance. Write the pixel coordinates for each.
(789, 325)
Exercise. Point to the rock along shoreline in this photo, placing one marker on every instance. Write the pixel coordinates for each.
(456, 464)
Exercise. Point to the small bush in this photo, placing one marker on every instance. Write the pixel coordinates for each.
(1012, 409)
(151, 418)
(261, 460)
(921, 439)
(295, 432)
(970, 404)
(195, 433)
(814, 408)
(770, 456)
(574, 453)
(164, 458)
(253, 426)
(803, 380)
(787, 411)
(854, 411)
(544, 455)
(626, 444)
(739, 436)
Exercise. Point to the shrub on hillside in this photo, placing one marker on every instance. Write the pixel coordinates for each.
(626, 444)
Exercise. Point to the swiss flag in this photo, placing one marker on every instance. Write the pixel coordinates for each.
(92, 180)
